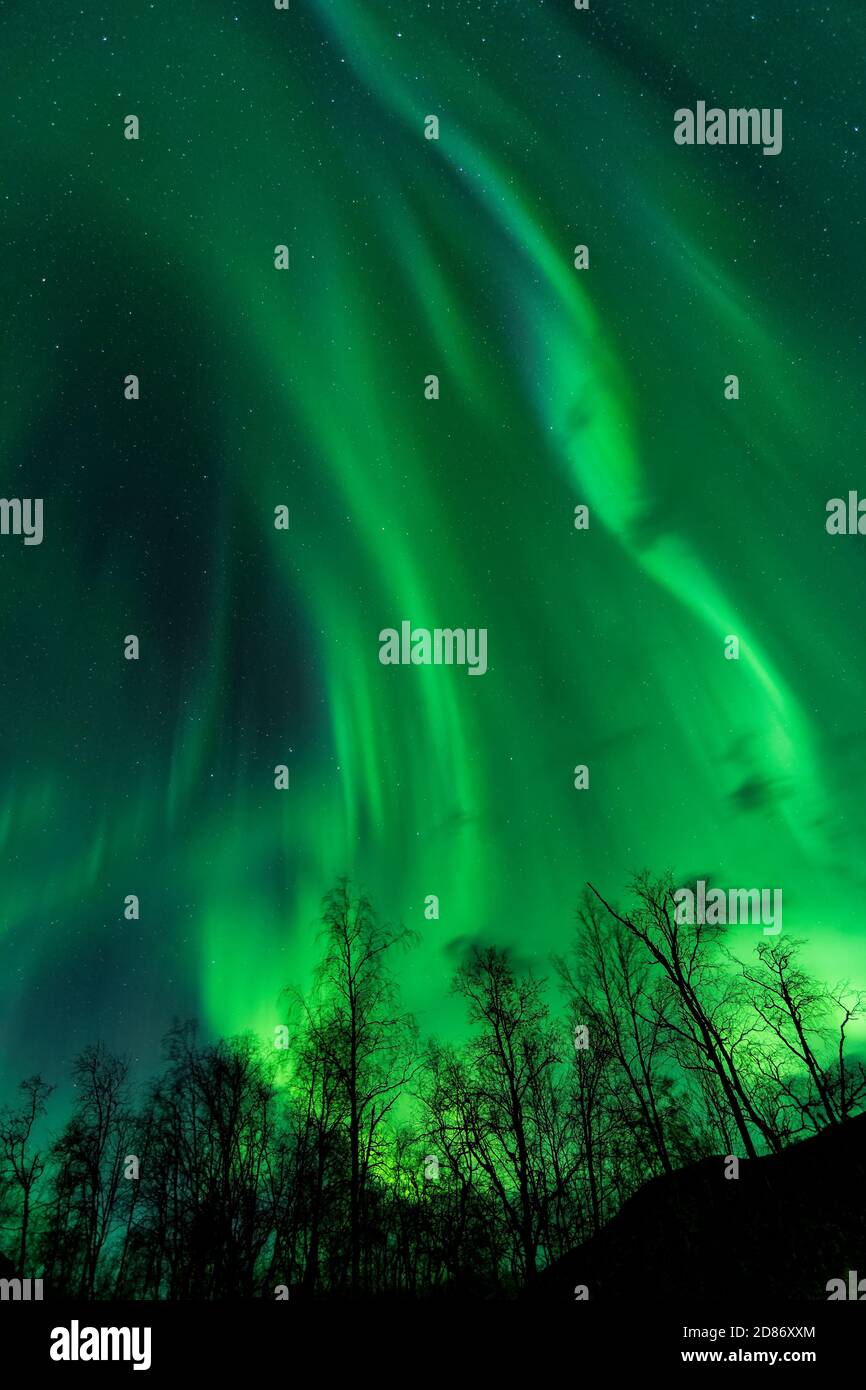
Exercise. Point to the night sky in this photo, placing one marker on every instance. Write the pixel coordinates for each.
(305, 388)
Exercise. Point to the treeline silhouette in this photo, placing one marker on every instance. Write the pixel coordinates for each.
(359, 1160)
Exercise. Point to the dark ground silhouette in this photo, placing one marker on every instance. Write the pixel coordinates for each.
(790, 1223)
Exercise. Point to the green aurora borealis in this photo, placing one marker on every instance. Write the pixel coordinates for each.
(305, 388)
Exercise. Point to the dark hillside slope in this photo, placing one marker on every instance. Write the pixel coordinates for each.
(787, 1225)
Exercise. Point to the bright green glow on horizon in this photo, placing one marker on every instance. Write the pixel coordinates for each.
(306, 388)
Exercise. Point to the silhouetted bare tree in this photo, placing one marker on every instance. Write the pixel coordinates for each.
(355, 1026)
(702, 1008)
(22, 1160)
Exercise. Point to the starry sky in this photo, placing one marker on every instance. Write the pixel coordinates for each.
(305, 388)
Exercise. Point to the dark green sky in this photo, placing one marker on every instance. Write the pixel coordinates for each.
(305, 388)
